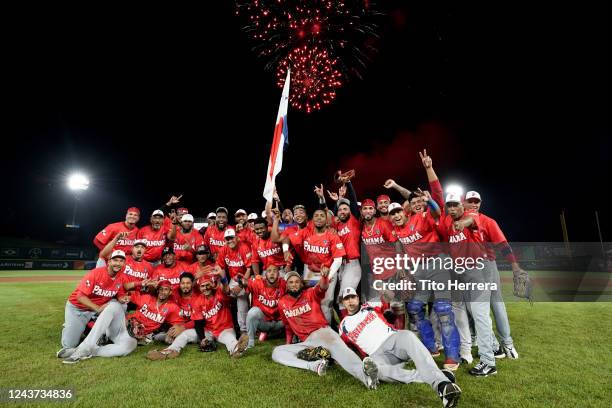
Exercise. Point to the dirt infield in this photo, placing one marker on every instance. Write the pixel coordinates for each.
(58, 278)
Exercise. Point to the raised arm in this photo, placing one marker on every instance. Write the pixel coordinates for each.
(391, 184)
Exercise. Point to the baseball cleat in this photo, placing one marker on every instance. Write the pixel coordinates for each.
(450, 364)
(483, 370)
(435, 353)
(370, 369)
(500, 353)
(65, 352)
(241, 346)
(511, 352)
(449, 374)
(77, 356)
(449, 393)
(321, 368)
(156, 355)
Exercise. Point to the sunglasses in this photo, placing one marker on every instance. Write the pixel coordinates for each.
(473, 201)
(229, 238)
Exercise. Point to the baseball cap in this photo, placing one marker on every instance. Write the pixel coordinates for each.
(187, 217)
(348, 292)
(291, 274)
(206, 278)
(382, 197)
(367, 203)
(252, 216)
(211, 215)
(299, 207)
(134, 209)
(203, 249)
(157, 212)
(167, 250)
(240, 211)
(453, 198)
(140, 242)
(229, 233)
(394, 206)
(472, 194)
(182, 210)
(221, 209)
(164, 282)
(344, 201)
(117, 254)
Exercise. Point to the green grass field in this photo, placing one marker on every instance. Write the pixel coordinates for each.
(565, 361)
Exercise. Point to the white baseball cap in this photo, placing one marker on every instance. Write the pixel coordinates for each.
(187, 217)
(140, 242)
(117, 254)
(394, 206)
(348, 292)
(211, 215)
(252, 216)
(157, 212)
(453, 198)
(473, 194)
(229, 233)
(240, 211)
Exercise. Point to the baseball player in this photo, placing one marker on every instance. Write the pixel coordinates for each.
(244, 233)
(170, 269)
(420, 239)
(382, 206)
(365, 329)
(235, 259)
(300, 310)
(265, 292)
(187, 240)
(136, 268)
(322, 249)
(265, 251)
(156, 236)
(152, 312)
(214, 236)
(108, 233)
(203, 264)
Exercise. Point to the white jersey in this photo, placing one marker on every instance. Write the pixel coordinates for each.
(367, 329)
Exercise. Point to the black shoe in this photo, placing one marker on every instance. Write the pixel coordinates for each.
(449, 374)
(449, 393)
(483, 370)
(500, 353)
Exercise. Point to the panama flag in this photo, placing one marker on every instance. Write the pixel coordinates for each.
(281, 139)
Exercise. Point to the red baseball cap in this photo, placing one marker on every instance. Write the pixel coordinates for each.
(367, 203)
(382, 197)
(133, 209)
(182, 210)
(206, 278)
(164, 282)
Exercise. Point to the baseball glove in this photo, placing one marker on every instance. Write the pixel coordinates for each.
(314, 354)
(522, 284)
(207, 346)
(135, 328)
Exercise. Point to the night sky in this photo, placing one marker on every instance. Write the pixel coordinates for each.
(514, 103)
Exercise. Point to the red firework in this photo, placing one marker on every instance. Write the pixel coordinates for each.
(314, 77)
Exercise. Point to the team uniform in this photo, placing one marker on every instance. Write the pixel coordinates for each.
(375, 239)
(303, 316)
(172, 274)
(368, 332)
(100, 288)
(247, 236)
(185, 245)
(268, 253)
(214, 238)
(264, 315)
(235, 262)
(349, 233)
(109, 232)
(137, 271)
(156, 241)
(200, 270)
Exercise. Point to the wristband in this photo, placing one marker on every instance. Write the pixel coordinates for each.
(285, 247)
(224, 280)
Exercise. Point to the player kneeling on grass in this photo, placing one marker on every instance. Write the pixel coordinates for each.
(212, 319)
(366, 329)
(300, 310)
(152, 312)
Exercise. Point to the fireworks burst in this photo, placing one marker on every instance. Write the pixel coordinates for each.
(338, 31)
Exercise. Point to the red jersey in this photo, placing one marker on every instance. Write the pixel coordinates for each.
(215, 310)
(213, 237)
(187, 305)
(185, 245)
(235, 261)
(172, 274)
(492, 235)
(199, 270)
(349, 233)
(110, 231)
(152, 315)
(419, 235)
(268, 253)
(303, 315)
(293, 233)
(137, 271)
(156, 241)
(266, 297)
(320, 249)
(463, 244)
(247, 236)
(99, 287)
(376, 240)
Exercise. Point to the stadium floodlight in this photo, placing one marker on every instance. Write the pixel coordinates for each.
(78, 182)
(454, 189)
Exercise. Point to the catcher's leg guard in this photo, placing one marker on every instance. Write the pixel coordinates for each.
(416, 309)
(399, 310)
(450, 334)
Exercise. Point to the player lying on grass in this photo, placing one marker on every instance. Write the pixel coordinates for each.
(301, 313)
(366, 330)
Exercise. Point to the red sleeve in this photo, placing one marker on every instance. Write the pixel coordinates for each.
(246, 254)
(173, 317)
(255, 255)
(476, 225)
(495, 234)
(105, 235)
(196, 313)
(136, 298)
(436, 192)
(221, 259)
(387, 231)
(297, 237)
(317, 293)
(337, 249)
(87, 283)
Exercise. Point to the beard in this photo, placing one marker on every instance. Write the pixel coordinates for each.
(294, 293)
